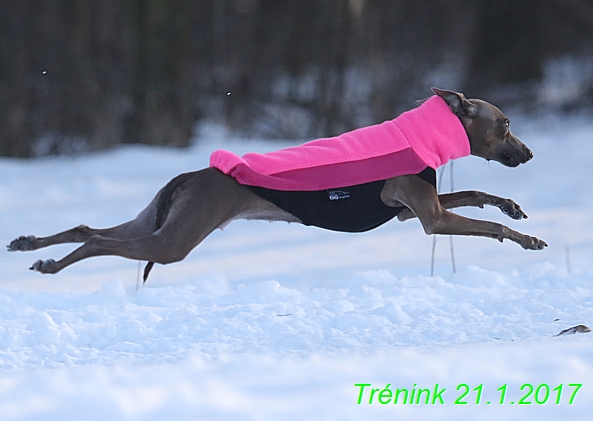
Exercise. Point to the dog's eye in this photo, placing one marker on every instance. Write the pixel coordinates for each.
(507, 123)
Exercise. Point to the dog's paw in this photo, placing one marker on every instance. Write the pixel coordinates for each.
(23, 243)
(511, 209)
(533, 243)
(44, 266)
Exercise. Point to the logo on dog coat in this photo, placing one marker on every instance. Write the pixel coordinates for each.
(338, 194)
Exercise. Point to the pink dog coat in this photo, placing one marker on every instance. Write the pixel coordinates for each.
(428, 136)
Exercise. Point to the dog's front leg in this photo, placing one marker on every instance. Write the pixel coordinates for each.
(423, 200)
(473, 198)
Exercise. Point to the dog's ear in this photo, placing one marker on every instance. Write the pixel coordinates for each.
(460, 106)
(419, 102)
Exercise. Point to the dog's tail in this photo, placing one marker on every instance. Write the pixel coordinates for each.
(162, 207)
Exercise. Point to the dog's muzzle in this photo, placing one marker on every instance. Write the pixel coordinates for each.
(515, 153)
(514, 159)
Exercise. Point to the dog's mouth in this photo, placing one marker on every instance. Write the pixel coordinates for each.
(516, 159)
(510, 161)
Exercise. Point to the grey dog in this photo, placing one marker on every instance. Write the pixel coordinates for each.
(192, 205)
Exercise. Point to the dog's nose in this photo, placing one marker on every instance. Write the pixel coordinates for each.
(527, 153)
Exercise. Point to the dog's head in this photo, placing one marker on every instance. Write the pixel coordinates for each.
(488, 130)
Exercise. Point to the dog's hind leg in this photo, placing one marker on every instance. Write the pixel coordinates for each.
(158, 247)
(79, 234)
(203, 202)
(169, 244)
(143, 225)
(147, 222)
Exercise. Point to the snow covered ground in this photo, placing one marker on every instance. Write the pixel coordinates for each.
(277, 321)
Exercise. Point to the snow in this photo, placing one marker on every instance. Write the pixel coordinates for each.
(279, 321)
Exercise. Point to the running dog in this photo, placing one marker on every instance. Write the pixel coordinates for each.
(321, 183)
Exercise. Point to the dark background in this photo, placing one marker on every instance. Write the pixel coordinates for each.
(82, 75)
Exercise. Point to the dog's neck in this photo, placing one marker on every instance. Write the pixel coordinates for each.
(434, 132)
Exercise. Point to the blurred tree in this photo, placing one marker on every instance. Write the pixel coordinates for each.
(163, 109)
(82, 75)
(79, 75)
(509, 47)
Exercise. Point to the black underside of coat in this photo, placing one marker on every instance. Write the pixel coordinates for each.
(347, 209)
